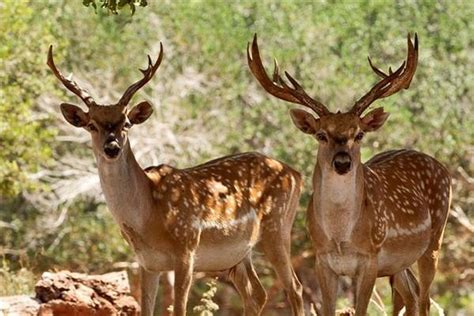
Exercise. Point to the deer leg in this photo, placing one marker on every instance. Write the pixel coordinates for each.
(149, 288)
(246, 281)
(277, 252)
(405, 292)
(166, 299)
(426, 268)
(183, 276)
(397, 300)
(427, 264)
(327, 280)
(365, 281)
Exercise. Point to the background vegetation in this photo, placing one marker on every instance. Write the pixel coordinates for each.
(52, 214)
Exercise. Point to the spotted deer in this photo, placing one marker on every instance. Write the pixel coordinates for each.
(205, 218)
(373, 219)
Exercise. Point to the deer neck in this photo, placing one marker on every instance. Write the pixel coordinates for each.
(126, 188)
(338, 201)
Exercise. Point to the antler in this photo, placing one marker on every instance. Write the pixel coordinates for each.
(393, 82)
(147, 75)
(69, 83)
(278, 87)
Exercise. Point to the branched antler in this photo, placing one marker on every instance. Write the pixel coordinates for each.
(69, 83)
(278, 87)
(391, 82)
(147, 75)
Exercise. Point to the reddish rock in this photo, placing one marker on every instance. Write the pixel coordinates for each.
(68, 293)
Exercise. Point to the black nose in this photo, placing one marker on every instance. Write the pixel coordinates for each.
(342, 162)
(112, 149)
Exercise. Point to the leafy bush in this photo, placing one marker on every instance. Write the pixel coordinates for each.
(15, 282)
(25, 136)
(114, 6)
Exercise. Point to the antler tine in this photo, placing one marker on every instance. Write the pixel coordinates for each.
(256, 67)
(277, 87)
(376, 92)
(403, 81)
(318, 107)
(148, 73)
(394, 81)
(375, 69)
(68, 83)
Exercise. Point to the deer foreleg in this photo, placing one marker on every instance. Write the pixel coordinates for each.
(149, 288)
(183, 277)
(365, 281)
(328, 283)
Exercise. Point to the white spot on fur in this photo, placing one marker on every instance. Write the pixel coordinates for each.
(398, 231)
(199, 223)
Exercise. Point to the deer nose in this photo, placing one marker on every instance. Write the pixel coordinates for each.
(111, 147)
(342, 162)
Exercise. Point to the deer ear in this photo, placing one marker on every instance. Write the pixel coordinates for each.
(373, 120)
(140, 112)
(305, 121)
(74, 115)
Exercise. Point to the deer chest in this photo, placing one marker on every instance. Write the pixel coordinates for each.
(337, 221)
(342, 263)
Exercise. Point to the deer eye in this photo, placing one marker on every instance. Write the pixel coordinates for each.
(321, 137)
(127, 125)
(359, 136)
(91, 127)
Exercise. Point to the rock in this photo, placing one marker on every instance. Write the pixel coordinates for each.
(68, 293)
(17, 305)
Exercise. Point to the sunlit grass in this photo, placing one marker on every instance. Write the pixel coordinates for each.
(17, 282)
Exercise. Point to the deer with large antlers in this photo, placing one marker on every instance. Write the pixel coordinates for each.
(206, 218)
(373, 219)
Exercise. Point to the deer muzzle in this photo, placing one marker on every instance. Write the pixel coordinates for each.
(112, 148)
(342, 162)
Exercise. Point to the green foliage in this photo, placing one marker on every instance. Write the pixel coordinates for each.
(80, 251)
(15, 282)
(207, 306)
(24, 137)
(114, 6)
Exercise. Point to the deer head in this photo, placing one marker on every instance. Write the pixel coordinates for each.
(107, 124)
(339, 134)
